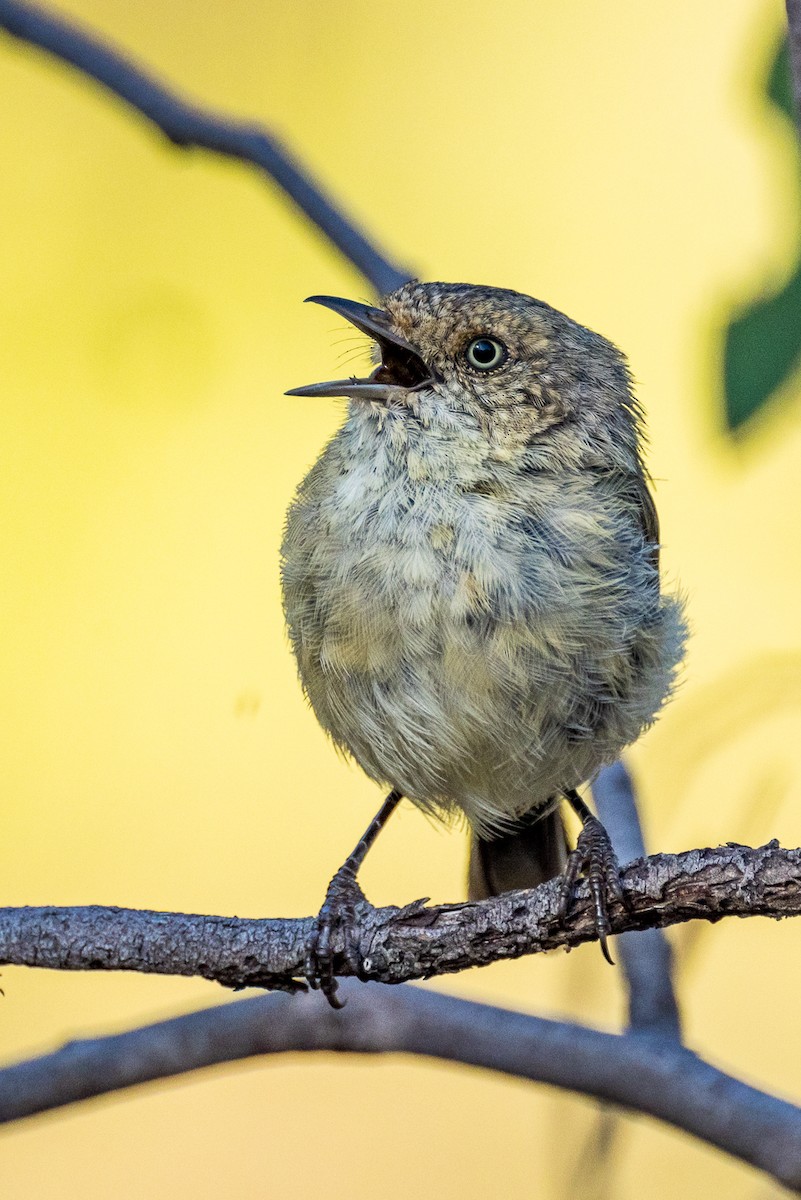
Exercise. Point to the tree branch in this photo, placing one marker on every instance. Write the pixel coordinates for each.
(398, 945)
(646, 957)
(189, 126)
(656, 1077)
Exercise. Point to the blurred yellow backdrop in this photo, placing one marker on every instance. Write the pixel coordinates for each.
(619, 160)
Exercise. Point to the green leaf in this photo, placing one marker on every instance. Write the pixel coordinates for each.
(763, 343)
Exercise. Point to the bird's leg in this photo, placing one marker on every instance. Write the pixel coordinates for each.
(339, 910)
(595, 856)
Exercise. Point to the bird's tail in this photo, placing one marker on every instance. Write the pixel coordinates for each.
(534, 851)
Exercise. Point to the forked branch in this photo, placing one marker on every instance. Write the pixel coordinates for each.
(651, 1074)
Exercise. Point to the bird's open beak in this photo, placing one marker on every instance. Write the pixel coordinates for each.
(401, 366)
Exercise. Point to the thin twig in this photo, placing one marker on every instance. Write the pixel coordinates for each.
(398, 945)
(646, 957)
(189, 126)
(648, 1075)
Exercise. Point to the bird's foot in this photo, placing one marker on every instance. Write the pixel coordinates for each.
(337, 915)
(594, 856)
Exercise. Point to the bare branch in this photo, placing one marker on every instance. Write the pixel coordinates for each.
(398, 945)
(646, 957)
(188, 126)
(656, 1077)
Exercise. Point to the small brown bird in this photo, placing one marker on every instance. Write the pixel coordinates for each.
(471, 583)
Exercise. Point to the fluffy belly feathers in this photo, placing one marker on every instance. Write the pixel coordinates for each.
(456, 665)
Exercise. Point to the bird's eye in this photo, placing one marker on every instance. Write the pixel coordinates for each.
(485, 354)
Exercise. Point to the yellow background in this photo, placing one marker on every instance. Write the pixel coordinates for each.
(616, 159)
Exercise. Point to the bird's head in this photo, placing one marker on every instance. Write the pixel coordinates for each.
(487, 352)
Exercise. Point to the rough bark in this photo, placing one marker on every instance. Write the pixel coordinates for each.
(414, 942)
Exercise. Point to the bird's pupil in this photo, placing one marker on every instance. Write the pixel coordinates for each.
(486, 353)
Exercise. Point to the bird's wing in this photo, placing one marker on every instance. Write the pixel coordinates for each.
(648, 515)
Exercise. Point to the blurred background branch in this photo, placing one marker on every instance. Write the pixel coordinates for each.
(648, 1075)
(645, 956)
(189, 126)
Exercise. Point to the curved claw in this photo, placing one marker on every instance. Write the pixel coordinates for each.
(338, 912)
(596, 858)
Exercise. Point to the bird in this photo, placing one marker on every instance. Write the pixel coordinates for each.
(471, 584)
